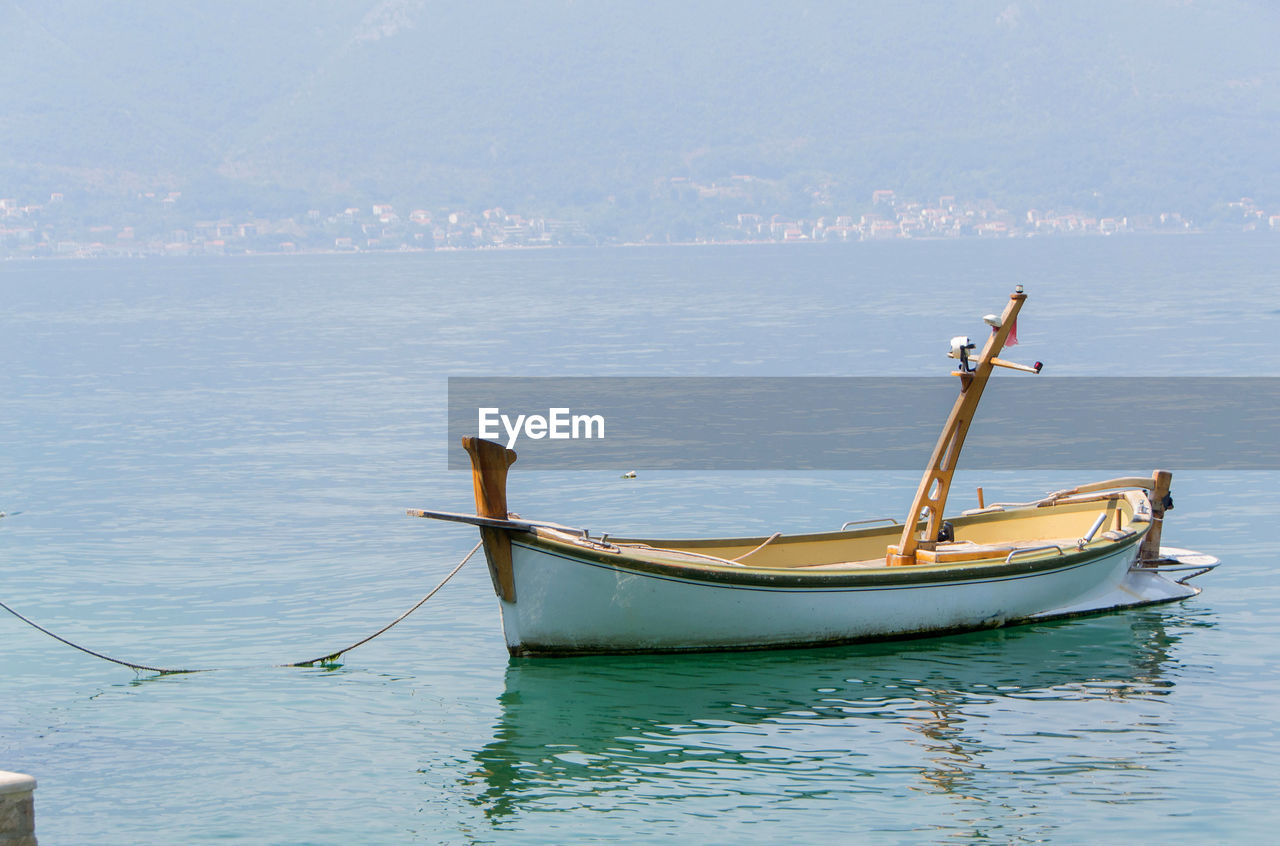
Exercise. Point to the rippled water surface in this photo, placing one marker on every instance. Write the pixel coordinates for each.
(206, 464)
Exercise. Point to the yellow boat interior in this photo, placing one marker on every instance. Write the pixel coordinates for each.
(1058, 525)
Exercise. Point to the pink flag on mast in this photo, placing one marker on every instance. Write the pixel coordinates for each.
(1012, 340)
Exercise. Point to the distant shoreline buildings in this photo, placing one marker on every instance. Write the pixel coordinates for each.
(154, 224)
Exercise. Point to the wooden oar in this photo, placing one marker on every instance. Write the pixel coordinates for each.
(515, 524)
(1145, 482)
(473, 519)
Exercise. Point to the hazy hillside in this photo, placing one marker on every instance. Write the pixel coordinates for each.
(1143, 104)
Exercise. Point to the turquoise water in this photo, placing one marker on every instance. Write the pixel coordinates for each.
(206, 464)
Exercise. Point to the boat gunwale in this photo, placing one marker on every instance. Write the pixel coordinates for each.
(718, 575)
(627, 554)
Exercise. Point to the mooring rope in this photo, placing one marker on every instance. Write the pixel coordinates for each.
(332, 655)
(164, 671)
(167, 671)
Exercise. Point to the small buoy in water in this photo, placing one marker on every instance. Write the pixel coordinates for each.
(629, 475)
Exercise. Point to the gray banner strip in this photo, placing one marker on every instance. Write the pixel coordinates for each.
(856, 423)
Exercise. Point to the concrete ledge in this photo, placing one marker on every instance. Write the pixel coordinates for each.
(16, 783)
(17, 810)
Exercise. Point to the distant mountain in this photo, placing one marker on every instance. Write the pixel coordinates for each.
(1139, 105)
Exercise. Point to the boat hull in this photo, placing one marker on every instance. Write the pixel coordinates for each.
(579, 603)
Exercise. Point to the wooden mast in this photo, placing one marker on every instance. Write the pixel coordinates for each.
(931, 496)
(489, 464)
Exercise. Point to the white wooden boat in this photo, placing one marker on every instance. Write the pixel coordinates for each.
(1090, 549)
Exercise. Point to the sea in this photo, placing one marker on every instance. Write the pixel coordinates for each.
(205, 463)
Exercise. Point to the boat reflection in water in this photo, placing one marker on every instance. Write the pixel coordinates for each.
(929, 715)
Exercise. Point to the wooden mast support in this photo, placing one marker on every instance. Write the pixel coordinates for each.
(489, 463)
(1150, 549)
(931, 496)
